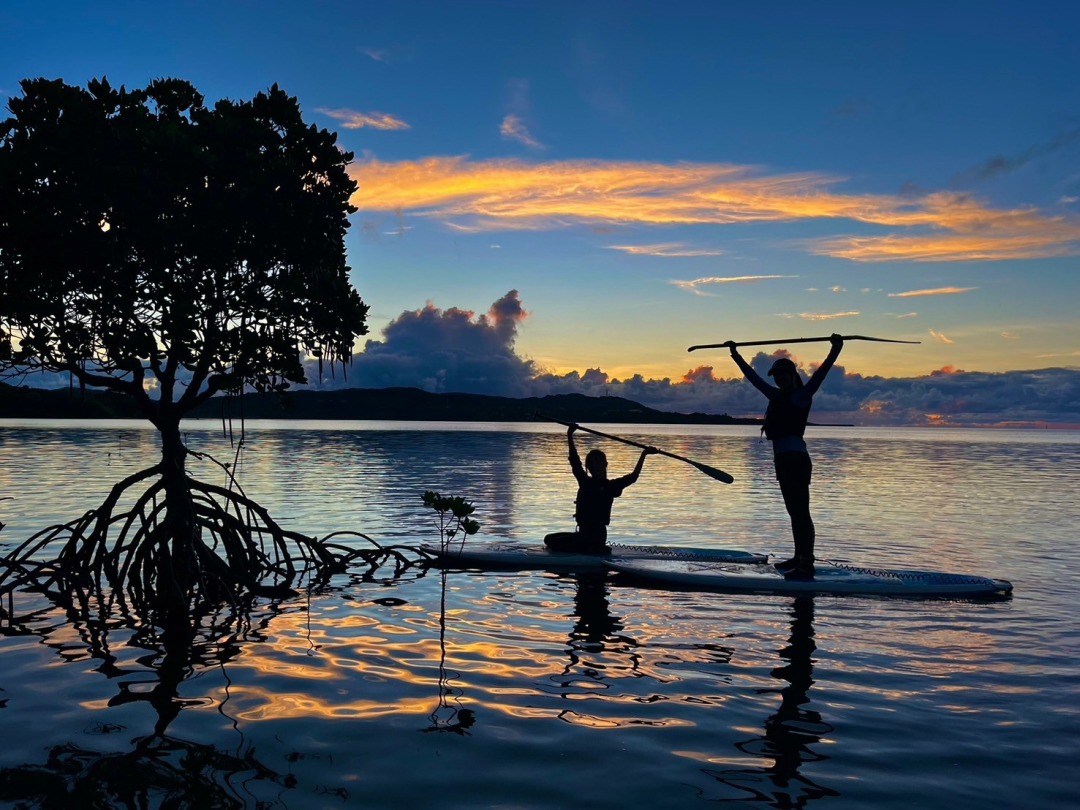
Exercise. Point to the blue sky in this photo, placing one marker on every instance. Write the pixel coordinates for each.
(599, 185)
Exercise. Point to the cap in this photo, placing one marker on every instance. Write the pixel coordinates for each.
(782, 364)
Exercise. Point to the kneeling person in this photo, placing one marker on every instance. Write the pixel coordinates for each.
(595, 495)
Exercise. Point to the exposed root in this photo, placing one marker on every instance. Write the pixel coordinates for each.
(134, 558)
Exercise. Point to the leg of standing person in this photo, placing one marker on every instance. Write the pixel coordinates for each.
(793, 473)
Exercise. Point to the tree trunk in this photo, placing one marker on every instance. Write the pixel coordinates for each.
(178, 533)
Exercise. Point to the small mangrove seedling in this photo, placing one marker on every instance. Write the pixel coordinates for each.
(453, 517)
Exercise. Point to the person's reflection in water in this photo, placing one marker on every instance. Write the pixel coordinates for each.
(594, 628)
(594, 620)
(792, 730)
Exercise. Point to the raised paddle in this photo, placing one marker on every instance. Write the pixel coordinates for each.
(712, 472)
(796, 340)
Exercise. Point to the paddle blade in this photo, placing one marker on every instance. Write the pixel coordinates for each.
(712, 472)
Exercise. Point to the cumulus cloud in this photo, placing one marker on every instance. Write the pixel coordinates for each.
(351, 119)
(451, 350)
(456, 350)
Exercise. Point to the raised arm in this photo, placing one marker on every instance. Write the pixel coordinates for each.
(631, 477)
(818, 376)
(575, 460)
(752, 376)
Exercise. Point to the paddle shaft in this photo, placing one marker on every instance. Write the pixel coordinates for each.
(713, 472)
(796, 340)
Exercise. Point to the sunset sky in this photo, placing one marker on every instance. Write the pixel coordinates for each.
(616, 181)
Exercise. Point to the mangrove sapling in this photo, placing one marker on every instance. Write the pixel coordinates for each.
(452, 517)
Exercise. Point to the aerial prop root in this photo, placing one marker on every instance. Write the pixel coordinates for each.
(230, 548)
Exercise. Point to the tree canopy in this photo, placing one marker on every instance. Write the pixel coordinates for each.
(145, 236)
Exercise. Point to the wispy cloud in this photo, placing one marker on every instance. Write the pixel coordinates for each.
(1010, 335)
(936, 291)
(378, 54)
(668, 249)
(1004, 164)
(494, 194)
(695, 286)
(940, 337)
(514, 128)
(826, 316)
(350, 119)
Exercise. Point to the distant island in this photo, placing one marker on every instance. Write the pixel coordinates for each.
(408, 404)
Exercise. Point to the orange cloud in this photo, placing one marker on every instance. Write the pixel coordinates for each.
(941, 338)
(937, 291)
(493, 194)
(700, 374)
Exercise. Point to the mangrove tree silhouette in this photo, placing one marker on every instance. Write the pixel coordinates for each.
(169, 251)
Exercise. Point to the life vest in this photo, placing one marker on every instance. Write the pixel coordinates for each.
(594, 500)
(785, 418)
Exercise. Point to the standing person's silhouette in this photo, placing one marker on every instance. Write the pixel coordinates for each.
(785, 423)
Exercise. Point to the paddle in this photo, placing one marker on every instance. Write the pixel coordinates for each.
(712, 472)
(797, 340)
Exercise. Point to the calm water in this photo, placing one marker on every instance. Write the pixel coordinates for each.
(543, 690)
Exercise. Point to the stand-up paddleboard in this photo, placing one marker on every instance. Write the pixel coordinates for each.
(829, 577)
(510, 554)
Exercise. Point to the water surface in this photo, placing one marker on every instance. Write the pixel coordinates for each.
(543, 690)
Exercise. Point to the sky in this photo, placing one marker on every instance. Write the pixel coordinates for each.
(565, 196)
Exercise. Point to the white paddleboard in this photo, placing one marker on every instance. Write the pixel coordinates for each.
(511, 554)
(829, 577)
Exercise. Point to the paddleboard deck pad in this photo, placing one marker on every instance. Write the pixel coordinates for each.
(829, 577)
(510, 554)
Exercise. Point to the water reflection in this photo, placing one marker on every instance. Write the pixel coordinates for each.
(595, 631)
(791, 732)
(449, 714)
(158, 768)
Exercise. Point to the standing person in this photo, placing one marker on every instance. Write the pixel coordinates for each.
(595, 495)
(785, 423)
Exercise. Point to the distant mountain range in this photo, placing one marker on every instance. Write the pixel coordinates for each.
(411, 404)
